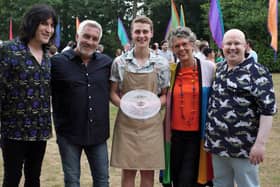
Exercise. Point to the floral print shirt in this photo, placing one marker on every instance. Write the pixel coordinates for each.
(25, 93)
(127, 62)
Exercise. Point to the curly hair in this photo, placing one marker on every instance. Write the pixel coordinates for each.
(181, 32)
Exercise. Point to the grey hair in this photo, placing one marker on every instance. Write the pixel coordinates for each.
(90, 23)
(181, 32)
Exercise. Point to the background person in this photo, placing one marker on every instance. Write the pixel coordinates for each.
(25, 97)
(200, 46)
(250, 51)
(70, 45)
(52, 50)
(100, 48)
(155, 48)
(118, 52)
(165, 52)
(80, 90)
(219, 56)
(209, 54)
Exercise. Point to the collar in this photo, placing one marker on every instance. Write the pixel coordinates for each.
(240, 65)
(71, 54)
(129, 56)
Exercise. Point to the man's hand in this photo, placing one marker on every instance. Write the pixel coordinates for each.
(257, 153)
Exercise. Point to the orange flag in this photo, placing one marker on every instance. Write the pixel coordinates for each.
(272, 23)
(11, 30)
(77, 23)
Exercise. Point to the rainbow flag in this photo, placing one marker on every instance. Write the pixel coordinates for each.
(168, 28)
(122, 33)
(182, 16)
(216, 24)
(272, 22)
(11, 30)
(174, 21)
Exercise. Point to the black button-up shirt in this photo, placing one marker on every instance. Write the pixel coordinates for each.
(81, 97)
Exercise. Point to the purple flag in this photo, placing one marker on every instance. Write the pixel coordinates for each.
(216, 22)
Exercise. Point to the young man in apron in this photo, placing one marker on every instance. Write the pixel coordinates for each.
(138, 144)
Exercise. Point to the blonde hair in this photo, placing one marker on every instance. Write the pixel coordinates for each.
(142, 19)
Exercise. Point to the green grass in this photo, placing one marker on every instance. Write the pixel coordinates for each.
(52, 175)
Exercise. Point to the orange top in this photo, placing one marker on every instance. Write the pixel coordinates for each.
(185, 107)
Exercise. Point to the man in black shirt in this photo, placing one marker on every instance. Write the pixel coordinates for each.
(80, 90)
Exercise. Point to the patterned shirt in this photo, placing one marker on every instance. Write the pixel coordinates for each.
(25, 94)
(127, 61)
(238, 98)
(167, 54)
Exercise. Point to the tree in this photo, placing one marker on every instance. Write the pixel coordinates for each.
(236, 13)
(251, 18)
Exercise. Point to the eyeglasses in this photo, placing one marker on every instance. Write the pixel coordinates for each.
(185, 45)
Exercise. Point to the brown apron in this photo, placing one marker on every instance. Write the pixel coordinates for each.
(138, 144)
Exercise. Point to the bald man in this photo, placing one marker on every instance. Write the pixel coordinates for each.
(240, 112)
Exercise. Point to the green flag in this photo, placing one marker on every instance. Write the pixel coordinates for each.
(182, 16)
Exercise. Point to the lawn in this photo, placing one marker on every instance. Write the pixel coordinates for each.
(52, 175)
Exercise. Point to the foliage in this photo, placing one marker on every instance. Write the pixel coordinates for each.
(251, 18)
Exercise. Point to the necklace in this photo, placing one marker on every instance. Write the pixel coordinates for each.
(190, 119)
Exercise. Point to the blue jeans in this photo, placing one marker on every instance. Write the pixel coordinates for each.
(228, 170)
(97, 156)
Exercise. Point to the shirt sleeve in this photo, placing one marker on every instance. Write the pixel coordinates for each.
(115, 70)
(4, 71)
(164, 74)
(264, 92)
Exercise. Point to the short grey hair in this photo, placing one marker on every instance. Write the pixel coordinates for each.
(181, 32)
(90, 23)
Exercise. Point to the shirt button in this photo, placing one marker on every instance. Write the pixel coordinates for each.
(86, 74)
(89, 97)
(90, 120)
(88, 85)
(90, 109)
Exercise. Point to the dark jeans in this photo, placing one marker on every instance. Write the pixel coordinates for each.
(19, 154)
(185, 148)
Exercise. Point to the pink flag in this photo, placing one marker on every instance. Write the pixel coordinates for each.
(77, 24)
(11, 30)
